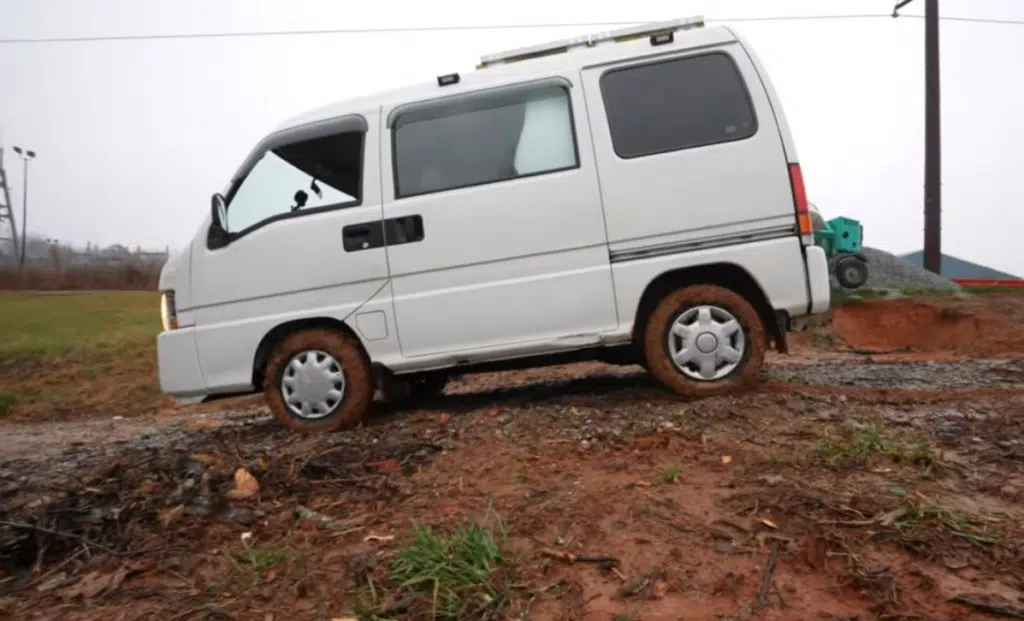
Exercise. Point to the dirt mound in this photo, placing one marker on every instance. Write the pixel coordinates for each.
(924, 326)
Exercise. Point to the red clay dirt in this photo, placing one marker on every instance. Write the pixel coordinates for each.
(925, 327)
(881, 502)
(944, 326)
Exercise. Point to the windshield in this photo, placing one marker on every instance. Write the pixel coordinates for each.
(325, 170)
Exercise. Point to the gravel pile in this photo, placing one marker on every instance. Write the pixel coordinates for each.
(888, 271)
(926, 375)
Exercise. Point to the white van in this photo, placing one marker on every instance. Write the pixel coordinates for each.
(631, 197)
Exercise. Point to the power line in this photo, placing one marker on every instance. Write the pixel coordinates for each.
(453, 28)
(389, 30)
(975, 20)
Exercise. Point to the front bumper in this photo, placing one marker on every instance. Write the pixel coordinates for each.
(178, 361)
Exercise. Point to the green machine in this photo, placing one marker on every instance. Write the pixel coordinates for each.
(841, 239)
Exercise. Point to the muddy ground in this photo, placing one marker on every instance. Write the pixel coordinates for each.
(876, 473)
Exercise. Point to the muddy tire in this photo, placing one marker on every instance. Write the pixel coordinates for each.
(716, 335)
(318, 381)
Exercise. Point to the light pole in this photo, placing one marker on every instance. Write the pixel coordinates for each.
(25, 156)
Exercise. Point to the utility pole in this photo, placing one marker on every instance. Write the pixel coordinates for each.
(26, 156)
(8, 228)
(932, 137)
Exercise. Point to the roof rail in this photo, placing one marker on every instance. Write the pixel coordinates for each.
(585, 41)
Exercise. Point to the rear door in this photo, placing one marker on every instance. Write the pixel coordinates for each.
(688, 150)
(499, 233)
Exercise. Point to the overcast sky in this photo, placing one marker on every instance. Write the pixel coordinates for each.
(133, 136)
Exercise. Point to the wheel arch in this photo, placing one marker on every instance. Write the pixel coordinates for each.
(272, 338)
(728, 275)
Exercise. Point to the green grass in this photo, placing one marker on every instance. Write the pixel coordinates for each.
(869, 440)
(90, 325)
(7, 401)
(454, 571)
(262, 559)
(845, 297)
(671, 474)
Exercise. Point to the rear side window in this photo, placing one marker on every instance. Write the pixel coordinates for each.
(677, 104)
(483, 139)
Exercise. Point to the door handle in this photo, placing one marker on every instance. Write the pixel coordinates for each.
(362, 236)
(356, 230)
(405, 230)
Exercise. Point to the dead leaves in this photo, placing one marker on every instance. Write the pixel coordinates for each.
(246, 486)
(94, 583)
(172, 515)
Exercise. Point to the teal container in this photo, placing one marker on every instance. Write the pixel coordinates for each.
(840, 236)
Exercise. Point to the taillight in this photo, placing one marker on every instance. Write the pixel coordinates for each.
(803, 215)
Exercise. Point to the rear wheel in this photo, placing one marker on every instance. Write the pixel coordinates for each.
(704, 340)
(318, 381)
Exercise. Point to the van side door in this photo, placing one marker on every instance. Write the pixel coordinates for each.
(301, 215)
(498, 236)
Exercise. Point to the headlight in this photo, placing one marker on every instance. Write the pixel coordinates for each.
(168, 314)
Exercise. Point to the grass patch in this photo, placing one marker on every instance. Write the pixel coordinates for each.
(267, 559)
(67, 355)
(869, 440)
(922, 523)
(859, 445)
(839, 298)
(7, 403)
(87, 325)
(671, 474)
(452, 575)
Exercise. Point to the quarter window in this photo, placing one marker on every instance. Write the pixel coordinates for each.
(313, 174)
(677, 104)
(483, 139)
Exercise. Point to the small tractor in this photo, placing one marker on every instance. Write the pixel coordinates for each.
(841, 239)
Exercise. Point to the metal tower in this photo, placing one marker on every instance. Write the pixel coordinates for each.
(8, 231)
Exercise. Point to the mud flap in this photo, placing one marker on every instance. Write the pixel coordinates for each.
(781, 332)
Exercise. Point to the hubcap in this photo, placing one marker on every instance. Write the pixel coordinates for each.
(313, 384)
(706, 343)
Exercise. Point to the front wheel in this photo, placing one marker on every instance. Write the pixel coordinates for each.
(704, 340)
(318, 381)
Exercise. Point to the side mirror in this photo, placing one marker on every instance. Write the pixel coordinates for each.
(300, 200)
(219, 212)
(217, 236)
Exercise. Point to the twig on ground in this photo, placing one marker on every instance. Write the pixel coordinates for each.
(53, 570)
(766, 583)
(874, 352)
(1011, 612)
(57, 533)
(568, 557)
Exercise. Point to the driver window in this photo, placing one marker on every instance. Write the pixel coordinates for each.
(321, 172)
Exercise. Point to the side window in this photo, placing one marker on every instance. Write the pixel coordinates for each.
(327, 170)
(677, 104)
(483, 139)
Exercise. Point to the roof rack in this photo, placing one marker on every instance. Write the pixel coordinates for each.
(585, 41)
